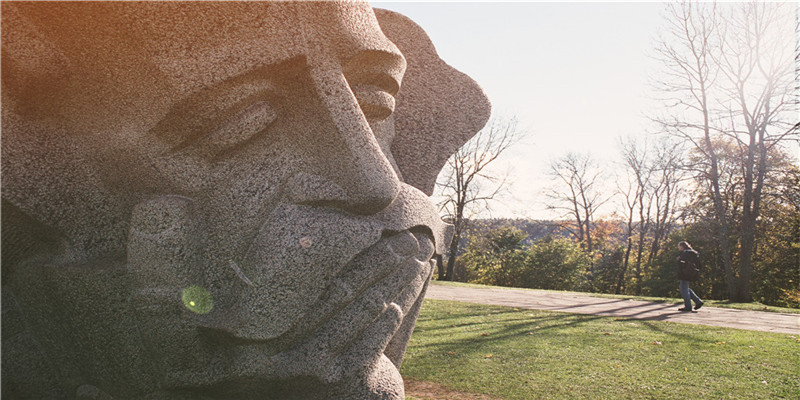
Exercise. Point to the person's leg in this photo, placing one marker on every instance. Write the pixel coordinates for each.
(687, 302)
(697, 301)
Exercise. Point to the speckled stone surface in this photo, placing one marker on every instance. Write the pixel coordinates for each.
(219, 200)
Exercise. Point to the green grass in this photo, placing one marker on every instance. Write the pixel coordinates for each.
(529, 354)
(754, 306)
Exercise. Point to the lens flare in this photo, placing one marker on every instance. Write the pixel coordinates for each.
(197, 299)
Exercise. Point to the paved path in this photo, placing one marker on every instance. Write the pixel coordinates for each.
(585, 304)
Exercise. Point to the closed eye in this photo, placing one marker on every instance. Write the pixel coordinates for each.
(253, 119)
(220, 118)
(228, 115)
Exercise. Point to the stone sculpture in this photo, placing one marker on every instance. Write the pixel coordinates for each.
(219, 200)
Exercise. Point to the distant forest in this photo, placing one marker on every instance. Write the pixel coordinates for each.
(544, 254)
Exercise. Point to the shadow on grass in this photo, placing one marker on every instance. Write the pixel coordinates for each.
(700, 335)
(504, 325)
(650, 309)
(511, 323)
(522, 354)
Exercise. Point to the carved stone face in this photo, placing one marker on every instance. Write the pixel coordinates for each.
(226, 200)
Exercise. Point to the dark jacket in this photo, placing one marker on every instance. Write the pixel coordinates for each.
(688, 265)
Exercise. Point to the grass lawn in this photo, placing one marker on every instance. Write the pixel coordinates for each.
(510, 353)
(754, 306)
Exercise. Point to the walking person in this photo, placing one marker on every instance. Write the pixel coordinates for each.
(688, 271)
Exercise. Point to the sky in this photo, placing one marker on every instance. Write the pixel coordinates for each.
(574, 74)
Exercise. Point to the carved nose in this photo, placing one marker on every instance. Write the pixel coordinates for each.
(371, 186)
(313, 189)
(370, 200)
(361, 180)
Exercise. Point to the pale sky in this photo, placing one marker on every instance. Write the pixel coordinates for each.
(575, 74)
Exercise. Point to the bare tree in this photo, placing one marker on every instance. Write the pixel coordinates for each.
(689, 77)
(638, 163)
(630, 198)
(667, 192)
(650, 198)
(577, 194)
(467, 186)
(729, 73)
(757, 65)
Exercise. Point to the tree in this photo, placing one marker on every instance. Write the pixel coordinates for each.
(500, 259)
(729, 73)
(577, 194)
(556, 264)
(667, 193)
(757, 65)
(630, 192)
(638, 165)
(495, 258)
(651, 192)
(776, 257)
(504, 239)
(607, 261)
(466, 184)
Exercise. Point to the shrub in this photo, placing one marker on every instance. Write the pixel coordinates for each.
(548, 264)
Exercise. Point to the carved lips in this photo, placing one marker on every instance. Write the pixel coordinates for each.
(304, 257)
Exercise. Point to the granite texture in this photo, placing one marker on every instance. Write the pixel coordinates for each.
(219, 200)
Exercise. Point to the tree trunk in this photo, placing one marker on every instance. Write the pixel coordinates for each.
(644, 226)
(638, 266)
(719, 208)
(626, 260)
(458, 225)
(621, 278)
(752, 202)
(722, 225)
(451, 258)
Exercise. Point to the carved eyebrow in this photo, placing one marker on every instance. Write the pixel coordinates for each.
(378, 68)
